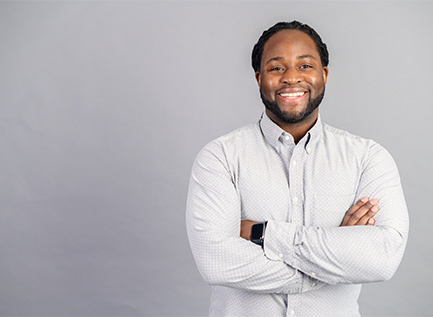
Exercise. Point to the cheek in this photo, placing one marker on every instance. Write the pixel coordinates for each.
(318, 83)
(267, 85)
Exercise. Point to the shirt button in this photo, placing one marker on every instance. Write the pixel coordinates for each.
(292, 312)
(295, 199)
(313, 274)
(314, 284)
(287, 137)
(281, 255)
(294, 163)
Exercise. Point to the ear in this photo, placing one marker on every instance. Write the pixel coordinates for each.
(325, 74)
(258, 78)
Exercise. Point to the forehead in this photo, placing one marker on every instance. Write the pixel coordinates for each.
(286, 43)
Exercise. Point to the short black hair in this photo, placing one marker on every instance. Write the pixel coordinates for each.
(256, 57)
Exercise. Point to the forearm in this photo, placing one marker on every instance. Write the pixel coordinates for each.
(235, 262)
(343, 255)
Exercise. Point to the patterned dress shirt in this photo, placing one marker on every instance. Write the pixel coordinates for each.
(309, 266)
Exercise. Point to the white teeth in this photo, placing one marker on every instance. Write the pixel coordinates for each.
(292, 95)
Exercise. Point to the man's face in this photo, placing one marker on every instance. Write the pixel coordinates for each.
(291, 79)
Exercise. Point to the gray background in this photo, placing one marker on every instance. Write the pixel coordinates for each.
(104, 106)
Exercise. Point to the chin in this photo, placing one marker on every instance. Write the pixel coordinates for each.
(291, 116)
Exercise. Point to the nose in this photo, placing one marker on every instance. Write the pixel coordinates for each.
(291, 76)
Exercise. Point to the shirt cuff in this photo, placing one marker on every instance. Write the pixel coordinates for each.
(279, 241)
(280, 244)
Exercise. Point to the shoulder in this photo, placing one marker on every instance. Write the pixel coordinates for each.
(364, 149)
(244, 134)
(237, 138)
(343, 135)
(231, 143)
(342, 138)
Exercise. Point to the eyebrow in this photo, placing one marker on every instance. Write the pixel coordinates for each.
(274, 59)
(305, 56)
(279, 58)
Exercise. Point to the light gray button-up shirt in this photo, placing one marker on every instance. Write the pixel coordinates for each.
(309, 266)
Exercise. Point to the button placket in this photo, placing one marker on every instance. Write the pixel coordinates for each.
(293, 305)
(296, 188)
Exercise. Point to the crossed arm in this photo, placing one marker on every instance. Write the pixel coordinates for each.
(367, 247)
(361, 213)
(356, 252)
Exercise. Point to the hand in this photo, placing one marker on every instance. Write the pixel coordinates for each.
(361, 213)
(246, 228)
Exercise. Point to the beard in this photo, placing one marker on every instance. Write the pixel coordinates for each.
(288, 117)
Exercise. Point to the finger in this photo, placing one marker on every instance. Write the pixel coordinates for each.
(361, 212)
(361, 202)
(369, 215)
(371, 222)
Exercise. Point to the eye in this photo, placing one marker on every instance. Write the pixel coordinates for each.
(306, 66)
(276, 68)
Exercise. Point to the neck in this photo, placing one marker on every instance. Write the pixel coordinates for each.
(299, 129)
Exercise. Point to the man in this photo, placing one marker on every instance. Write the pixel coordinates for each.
(324, 208)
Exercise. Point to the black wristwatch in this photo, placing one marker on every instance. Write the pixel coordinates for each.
(258, 233)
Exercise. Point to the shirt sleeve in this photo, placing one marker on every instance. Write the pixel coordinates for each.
(354, 254)
(213, 224)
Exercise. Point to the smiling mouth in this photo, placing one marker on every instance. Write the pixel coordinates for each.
(293, 95)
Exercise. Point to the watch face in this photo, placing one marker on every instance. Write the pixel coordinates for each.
(257, 231)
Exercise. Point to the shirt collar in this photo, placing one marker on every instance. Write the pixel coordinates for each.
(274, 134)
